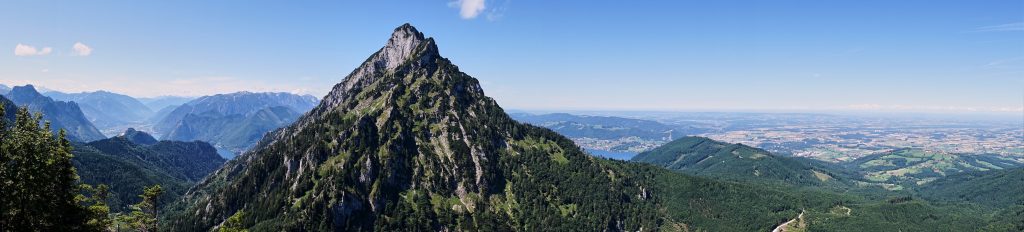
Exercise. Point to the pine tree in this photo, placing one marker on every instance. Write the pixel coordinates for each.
(99, 210)
(37, 178)
(144, 214)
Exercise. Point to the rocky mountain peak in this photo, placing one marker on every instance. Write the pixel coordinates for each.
(403, 43)
(26, 92)
(406, 46)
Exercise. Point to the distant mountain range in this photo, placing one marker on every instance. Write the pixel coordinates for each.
(4, 89)
(106, 110)
(233, 121)
(60, 114)
(164, 102)
(602, 127)
(609, 134)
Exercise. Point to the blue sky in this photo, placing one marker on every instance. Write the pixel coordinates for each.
(943, 56)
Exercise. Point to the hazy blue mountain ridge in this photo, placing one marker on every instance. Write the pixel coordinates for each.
(106, 109)
(233, 122)
(60, 114)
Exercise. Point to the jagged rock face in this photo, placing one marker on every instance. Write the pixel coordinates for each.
(409, 141)
(406, 42)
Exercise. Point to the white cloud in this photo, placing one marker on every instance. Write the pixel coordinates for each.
(468, 9)
(1018, 26)
(26, 50)
(81, 49)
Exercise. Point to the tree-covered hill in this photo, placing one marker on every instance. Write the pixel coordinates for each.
(995, 188)
(707, 157)
(125, 176)
(138, 137)
(127, 167)
(1001, 191)
(915, 167)
(185, 160)
(968, 200)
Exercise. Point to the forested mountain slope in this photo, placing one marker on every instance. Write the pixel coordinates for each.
(10, 110)
(127, 166)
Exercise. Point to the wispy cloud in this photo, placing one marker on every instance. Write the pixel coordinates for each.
(468, 9)
(1017, 26)
(930, 108)
(498, 12)
(26, 50)
(81, 49)
(1005, 63)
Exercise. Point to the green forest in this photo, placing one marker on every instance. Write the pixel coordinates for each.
(42, 190)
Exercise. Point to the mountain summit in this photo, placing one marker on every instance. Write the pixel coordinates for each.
(408, 142)
(138, 137)
(405, 45)
(404, 42)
